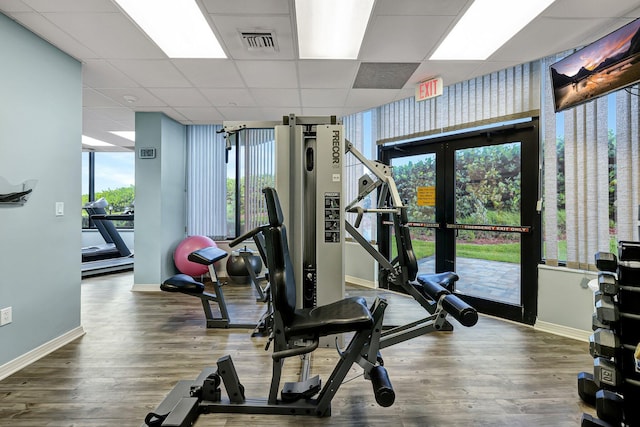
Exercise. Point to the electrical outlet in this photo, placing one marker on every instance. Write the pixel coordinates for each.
(5, 316)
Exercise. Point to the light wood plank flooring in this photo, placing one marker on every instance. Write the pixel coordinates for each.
(138, 345)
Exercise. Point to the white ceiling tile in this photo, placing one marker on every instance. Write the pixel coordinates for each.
(72, 5)
(168, 111)
(201, 116)
(327, 74)
(10, 6)
(229, 97)
(99, 73)
(276, 97)
(241, 7)
(152, 73)
(210, 72)
(55, 35)
(93, 98)
(142, 97)
(589, 9)
(111, 35)
(419, 7)
(229, 30)
(402, 38)
(324, 97)
(117, 114)
(180, 97)
(451, 71)
(369, 98)
(269, 74)
(243, 113)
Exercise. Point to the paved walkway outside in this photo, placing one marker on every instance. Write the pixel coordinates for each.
(494, 280)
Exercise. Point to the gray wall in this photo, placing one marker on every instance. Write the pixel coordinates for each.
(160, 197)
(40, 138)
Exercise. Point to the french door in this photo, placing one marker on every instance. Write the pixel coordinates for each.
(472, 201)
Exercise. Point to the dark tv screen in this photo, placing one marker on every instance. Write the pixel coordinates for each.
(606, 65)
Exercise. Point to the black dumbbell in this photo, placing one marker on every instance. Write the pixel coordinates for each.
(610, 406)
(606, 374)
(606, 261)
(605, 343)
(607, 283)
(587, 388)
(589, 421)
(606, 310)
(597, 324)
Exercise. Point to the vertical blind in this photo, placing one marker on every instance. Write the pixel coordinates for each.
(589, 131)
(206, 182)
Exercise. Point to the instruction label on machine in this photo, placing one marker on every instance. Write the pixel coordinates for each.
(332, 217)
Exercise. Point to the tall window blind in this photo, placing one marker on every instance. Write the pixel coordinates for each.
(206, 182)
(591, 173)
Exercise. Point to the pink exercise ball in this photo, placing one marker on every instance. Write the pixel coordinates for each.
(184, 248)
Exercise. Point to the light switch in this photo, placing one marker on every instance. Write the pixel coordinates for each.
(59, 208)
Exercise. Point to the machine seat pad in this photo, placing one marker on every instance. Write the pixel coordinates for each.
(182, 283)
(207, 256)
(347, 315)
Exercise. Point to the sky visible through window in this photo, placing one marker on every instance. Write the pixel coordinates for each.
(113, 170)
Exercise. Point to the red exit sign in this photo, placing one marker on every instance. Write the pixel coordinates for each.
(429, 89)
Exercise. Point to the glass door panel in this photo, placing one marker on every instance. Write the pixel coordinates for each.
(487, 221)
(415, 178)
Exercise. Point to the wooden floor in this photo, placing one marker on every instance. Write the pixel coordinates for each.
(138, 345)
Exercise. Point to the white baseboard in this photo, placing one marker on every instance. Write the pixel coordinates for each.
(360, 282)
(37, 353)
(565, 331)
(145, 287)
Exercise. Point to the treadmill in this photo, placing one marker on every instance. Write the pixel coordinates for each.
(113, 255)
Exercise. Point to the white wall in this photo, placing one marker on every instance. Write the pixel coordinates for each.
(565, 302)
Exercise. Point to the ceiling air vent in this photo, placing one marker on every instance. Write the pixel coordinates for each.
(259, 41)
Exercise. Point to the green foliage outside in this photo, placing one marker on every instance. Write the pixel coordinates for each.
(119, 200)
(252, 196)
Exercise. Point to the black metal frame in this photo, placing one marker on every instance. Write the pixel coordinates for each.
(444, 148)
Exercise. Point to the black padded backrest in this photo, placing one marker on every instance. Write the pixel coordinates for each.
(281, 276)
(406, 256)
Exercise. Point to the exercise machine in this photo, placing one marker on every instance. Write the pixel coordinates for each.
(297, 332)
(113, 255)
(187, 285)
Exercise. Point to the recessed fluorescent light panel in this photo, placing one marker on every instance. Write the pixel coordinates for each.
(87, 140)
(177, 27)
(130, 135)
(331, 29)
(487, 25)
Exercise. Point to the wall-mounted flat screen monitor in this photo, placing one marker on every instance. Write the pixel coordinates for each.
(606, 65)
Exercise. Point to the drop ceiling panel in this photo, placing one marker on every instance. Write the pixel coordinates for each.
(327, 74)
(143, 98)
(229, 97)
(11, 6)
(93, 98)
(229, 27)
(243, 7)
(276, 97)
(200, 116)
(324, 97)
(245, 113)
(590, 9)
(180, 97)
(110, 35)
(402, 38)
(118, 114)
(419, 7)
(269, 74)
(210, 73)
(152, 73)
(99, 73)
(55, 35)
(72, 5)
(450, 71)
(368, 98)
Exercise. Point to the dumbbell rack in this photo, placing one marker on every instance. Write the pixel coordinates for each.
(614, 386)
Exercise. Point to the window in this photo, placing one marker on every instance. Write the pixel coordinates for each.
(110, 176)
